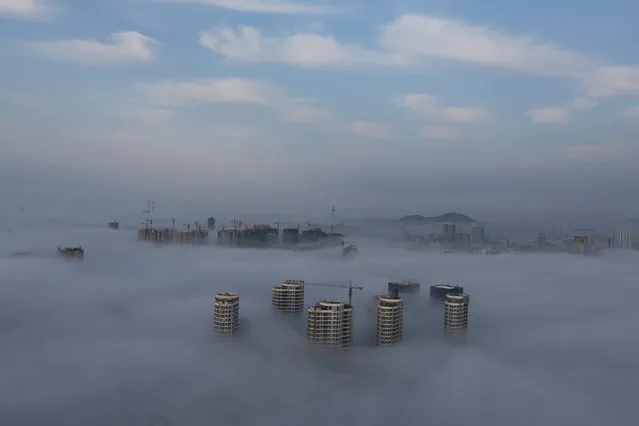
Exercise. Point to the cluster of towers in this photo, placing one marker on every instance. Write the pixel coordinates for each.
(330, 322)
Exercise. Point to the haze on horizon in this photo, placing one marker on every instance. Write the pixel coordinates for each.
(276, 107)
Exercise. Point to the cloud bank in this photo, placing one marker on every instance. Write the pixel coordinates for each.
(125, 337)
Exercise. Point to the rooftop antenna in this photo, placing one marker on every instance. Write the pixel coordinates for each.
(332, 219)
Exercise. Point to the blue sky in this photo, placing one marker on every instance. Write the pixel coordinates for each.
(247, 95)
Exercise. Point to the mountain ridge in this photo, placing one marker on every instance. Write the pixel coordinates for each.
(453, 217)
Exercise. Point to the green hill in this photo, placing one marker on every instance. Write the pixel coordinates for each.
(446, 217)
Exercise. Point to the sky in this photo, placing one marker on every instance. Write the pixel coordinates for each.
(125, 337)
(273, 105)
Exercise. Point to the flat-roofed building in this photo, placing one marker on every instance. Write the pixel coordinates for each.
(456, 314)
(404, 286)
(440, 291)
(226, 313)
(289, 296)
(390, 319)
(330, 323)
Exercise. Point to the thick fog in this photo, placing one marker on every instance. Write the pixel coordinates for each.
(125, 337)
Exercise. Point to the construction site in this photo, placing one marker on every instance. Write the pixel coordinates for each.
(193, 234)
(71, 252)
(265, 235)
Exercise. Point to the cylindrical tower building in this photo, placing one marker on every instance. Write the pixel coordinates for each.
(456, 314)
(390, 319)
(226, 313)
(330, 322)
(289, 296)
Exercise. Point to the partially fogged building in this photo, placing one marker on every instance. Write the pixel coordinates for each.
(399, 287)
(440, 291)
(226, 313)
(456, 314)
(330, 323)
(289, 296)
(390, 320)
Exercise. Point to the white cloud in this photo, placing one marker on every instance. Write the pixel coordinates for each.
(225, 90)
(422, 36)
(417, 40)
(427, 106)
(548, 115)
(234, 91)
(584, 103)
(263, 6)
(440, 133)
(613, 81)
(125, 47)
(28, 9)
(410, 40)
(303, 50)
(370, 129)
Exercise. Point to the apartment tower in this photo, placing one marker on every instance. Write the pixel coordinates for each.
(390, 319)
(226, 313)
(330, 323)
(289, 296)
(456, 314)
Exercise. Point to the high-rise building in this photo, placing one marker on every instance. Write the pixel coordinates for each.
(210, 222)
(390, 319)
(541, 239)
(449, 230)
(330, 323)
(289, 296)
(399, 287)
(477, 234)
(226, 313)
(580, 245)
(624, 240)
(440, 291)
(456, 314)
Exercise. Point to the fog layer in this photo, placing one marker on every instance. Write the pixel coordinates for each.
(124, 337)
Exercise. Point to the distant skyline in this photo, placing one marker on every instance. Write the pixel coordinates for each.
(272, 106)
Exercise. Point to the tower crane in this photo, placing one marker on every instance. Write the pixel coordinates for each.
(350, 288)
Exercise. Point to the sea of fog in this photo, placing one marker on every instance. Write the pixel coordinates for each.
(124, 337)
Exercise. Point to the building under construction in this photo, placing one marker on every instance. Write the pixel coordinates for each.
(390, 319)
(330, 323)
(289, 296)
(226, 313)
(399, 287)
(71, 252)
(241, 235)
(456, 314)
(440, 291)
(192, 235)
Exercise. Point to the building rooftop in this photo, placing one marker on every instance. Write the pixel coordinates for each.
(226, 296)
(405, 283)
(328, 304)
(445, 286)
(462, 297)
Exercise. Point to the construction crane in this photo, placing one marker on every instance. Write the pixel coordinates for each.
(350, 288)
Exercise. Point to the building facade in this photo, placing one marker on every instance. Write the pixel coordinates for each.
(456, 314)
(390, 320)
(330, 323)
(289, 296)
(399, 287)
(226, 313)
(440, 291)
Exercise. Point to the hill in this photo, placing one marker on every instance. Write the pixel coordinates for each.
(446, 217)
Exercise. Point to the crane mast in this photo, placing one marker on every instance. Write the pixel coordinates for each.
(350, 288)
